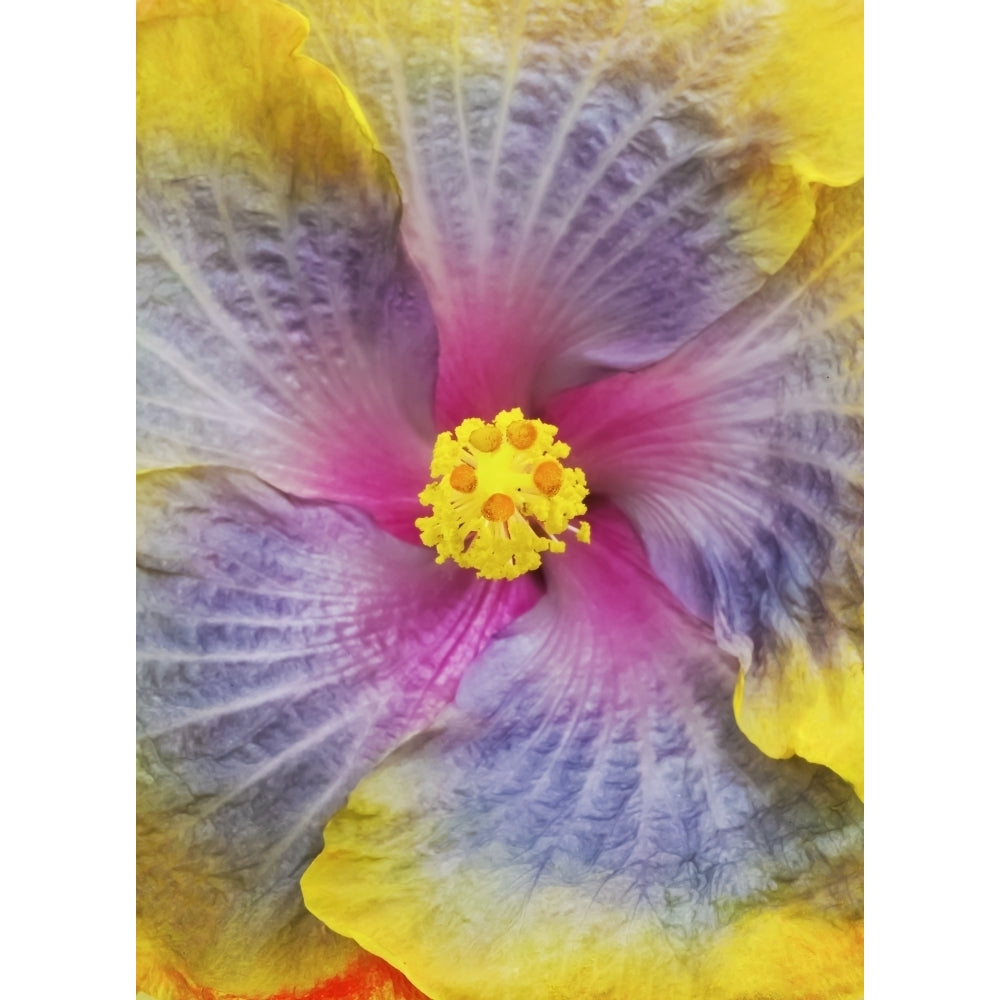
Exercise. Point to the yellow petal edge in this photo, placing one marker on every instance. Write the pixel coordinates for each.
(553, 942)
(223, 79)
(813, 710)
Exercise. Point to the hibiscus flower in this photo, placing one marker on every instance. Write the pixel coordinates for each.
(383, 270)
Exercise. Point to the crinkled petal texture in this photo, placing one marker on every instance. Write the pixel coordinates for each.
(739, 460)
(587, 185)
(281, 327)
(590, 819)
(285, 647)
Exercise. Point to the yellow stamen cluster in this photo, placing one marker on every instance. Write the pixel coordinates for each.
(500, 496)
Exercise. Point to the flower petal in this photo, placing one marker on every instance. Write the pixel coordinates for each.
(285, 646)
(591, 819)
(281, 328)
(364, 977)
(739, 460)
(588, 185)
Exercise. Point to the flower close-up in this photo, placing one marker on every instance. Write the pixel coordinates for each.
(499, 499)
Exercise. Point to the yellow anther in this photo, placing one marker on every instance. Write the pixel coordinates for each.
(462, 478)
(548, 478)
(500, 495)
(521, 434)
(498, 507)
(486, 438)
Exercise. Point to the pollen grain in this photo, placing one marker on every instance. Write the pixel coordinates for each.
(500, 496)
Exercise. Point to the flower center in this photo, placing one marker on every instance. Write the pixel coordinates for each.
(500, 496)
